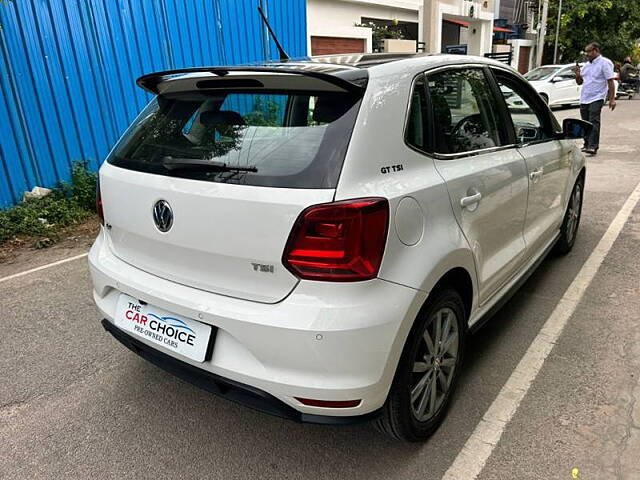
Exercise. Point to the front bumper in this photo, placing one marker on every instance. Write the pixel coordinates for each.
(324, 341)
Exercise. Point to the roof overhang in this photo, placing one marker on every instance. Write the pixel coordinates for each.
(503, 30)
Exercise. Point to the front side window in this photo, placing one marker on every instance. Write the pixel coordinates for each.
(464, 110)
(292, 140)
(528, 120)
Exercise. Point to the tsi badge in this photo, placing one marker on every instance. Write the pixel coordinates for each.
(259, 267)
(163, 215)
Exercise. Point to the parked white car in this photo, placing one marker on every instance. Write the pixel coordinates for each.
(556, 84)
(316, 239)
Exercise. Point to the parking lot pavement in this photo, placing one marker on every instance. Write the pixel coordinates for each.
(76, 404)
(583, 410)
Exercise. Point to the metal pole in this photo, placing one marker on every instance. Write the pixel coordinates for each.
(555, 48)
(266, 44)
(542, 32)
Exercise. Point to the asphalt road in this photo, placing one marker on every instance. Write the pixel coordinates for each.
(76, 404)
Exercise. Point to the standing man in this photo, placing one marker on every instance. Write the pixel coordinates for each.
(596, 78)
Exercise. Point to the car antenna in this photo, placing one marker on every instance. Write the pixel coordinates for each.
(283, 54)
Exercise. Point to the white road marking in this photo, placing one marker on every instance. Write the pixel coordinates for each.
(478, 448)
(43, 267)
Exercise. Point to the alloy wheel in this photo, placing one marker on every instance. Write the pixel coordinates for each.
(574, 213)
(434, 364)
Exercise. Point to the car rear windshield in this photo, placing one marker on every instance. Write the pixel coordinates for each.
(274, 139)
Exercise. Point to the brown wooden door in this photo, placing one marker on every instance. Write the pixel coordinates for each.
(333, 45)
(523, 59)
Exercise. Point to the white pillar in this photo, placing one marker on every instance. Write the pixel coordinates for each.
(421, 24)
(480, 36)
(432, 26)
(515, 48)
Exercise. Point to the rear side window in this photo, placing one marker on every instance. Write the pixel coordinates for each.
(279, 139)
(415, 133)
(540, 73)
(566, 74)
(464, 112)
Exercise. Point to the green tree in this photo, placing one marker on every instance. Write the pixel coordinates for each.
(380, 32)
(264, 114)
(614, 24)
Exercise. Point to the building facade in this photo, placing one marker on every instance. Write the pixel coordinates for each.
(332, 24)
(521, 16)
(472, 27)
(475, 16)
(434, 25)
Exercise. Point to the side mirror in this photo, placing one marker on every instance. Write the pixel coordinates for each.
(573, 129)
(557, 79)
(527, 134)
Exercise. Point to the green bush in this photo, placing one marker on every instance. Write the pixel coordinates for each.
(82, 189)
(68, 204)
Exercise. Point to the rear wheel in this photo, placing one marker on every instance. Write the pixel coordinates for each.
(428, 370)
(569, 228)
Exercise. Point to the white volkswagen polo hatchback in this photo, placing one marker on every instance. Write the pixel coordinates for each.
(556, 84)
(315, 239)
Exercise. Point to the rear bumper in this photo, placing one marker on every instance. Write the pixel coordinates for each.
(324, 341)
(236, 392)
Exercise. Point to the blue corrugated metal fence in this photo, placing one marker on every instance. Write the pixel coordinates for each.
(67, 70)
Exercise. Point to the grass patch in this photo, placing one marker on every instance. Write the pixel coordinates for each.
(44, 218)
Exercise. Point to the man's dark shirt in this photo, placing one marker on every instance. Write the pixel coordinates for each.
(628, 71)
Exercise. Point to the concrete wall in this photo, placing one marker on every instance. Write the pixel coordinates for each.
(479, 5)
(517, 43)
(336, 18)
(479, 34)
(480, 37)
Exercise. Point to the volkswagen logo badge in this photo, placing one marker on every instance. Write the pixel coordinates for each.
(163, 215)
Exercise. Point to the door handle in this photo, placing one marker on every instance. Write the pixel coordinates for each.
(536, 174)
(470, 201)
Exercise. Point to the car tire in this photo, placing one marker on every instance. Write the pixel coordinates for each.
(571, 221)
(427, 375)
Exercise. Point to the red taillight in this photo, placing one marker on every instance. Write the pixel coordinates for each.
(99, 203)
(329, 403)
(339, 242)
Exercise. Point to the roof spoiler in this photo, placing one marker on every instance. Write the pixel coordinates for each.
(151, 81)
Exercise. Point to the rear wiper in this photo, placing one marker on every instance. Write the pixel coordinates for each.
(199, 164)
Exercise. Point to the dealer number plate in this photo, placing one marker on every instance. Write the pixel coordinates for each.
(169, 330)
